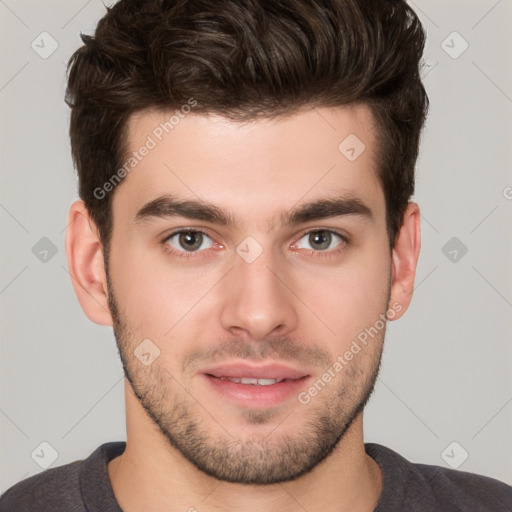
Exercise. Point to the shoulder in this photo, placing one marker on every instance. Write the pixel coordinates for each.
(74, 487)
(467, 491)
(57, 487)
(425, 487)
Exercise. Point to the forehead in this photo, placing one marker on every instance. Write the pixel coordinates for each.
(251, 168)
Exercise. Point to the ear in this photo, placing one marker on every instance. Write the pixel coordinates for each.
(86, 266)
(404, 260)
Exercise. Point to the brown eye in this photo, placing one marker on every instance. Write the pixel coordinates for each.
(320, 240)
(189, 240)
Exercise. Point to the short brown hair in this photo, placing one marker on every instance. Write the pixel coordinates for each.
(245, 59)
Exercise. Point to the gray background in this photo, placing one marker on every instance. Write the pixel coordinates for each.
(446, 373)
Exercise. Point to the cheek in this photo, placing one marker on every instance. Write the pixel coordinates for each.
(350, 297)
(141, 289)
(154, 294)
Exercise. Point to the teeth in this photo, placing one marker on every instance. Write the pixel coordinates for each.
(254, 382)
(248, 380)
(268, 382)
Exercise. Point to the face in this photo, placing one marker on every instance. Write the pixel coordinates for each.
(249, 278)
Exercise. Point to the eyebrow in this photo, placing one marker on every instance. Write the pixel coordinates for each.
(168, 206)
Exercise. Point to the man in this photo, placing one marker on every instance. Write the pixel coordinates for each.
(245, 170)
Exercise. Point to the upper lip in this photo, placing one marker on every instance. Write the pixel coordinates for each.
(266, 371)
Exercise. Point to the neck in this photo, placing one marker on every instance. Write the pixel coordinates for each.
(152, 476)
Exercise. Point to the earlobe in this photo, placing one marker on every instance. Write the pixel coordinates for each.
(404, 259)
(86, 266)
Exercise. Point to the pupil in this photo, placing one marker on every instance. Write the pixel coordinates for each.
(190, 240)
(322, 239)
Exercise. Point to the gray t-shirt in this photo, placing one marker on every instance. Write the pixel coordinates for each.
(84, 486)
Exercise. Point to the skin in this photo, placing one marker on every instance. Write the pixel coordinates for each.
(295, 303)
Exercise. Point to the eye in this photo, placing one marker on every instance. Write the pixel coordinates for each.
(189, 240)
(320, 240)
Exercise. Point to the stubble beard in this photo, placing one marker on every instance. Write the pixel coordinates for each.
(260, 459)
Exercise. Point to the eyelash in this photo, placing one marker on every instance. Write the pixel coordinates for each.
(192, 254)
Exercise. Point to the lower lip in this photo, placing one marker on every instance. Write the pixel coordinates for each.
(250, 395)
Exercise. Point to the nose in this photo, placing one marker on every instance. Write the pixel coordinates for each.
(258, 299)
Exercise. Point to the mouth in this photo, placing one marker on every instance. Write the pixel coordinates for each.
(255, 386)
(252, 381)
